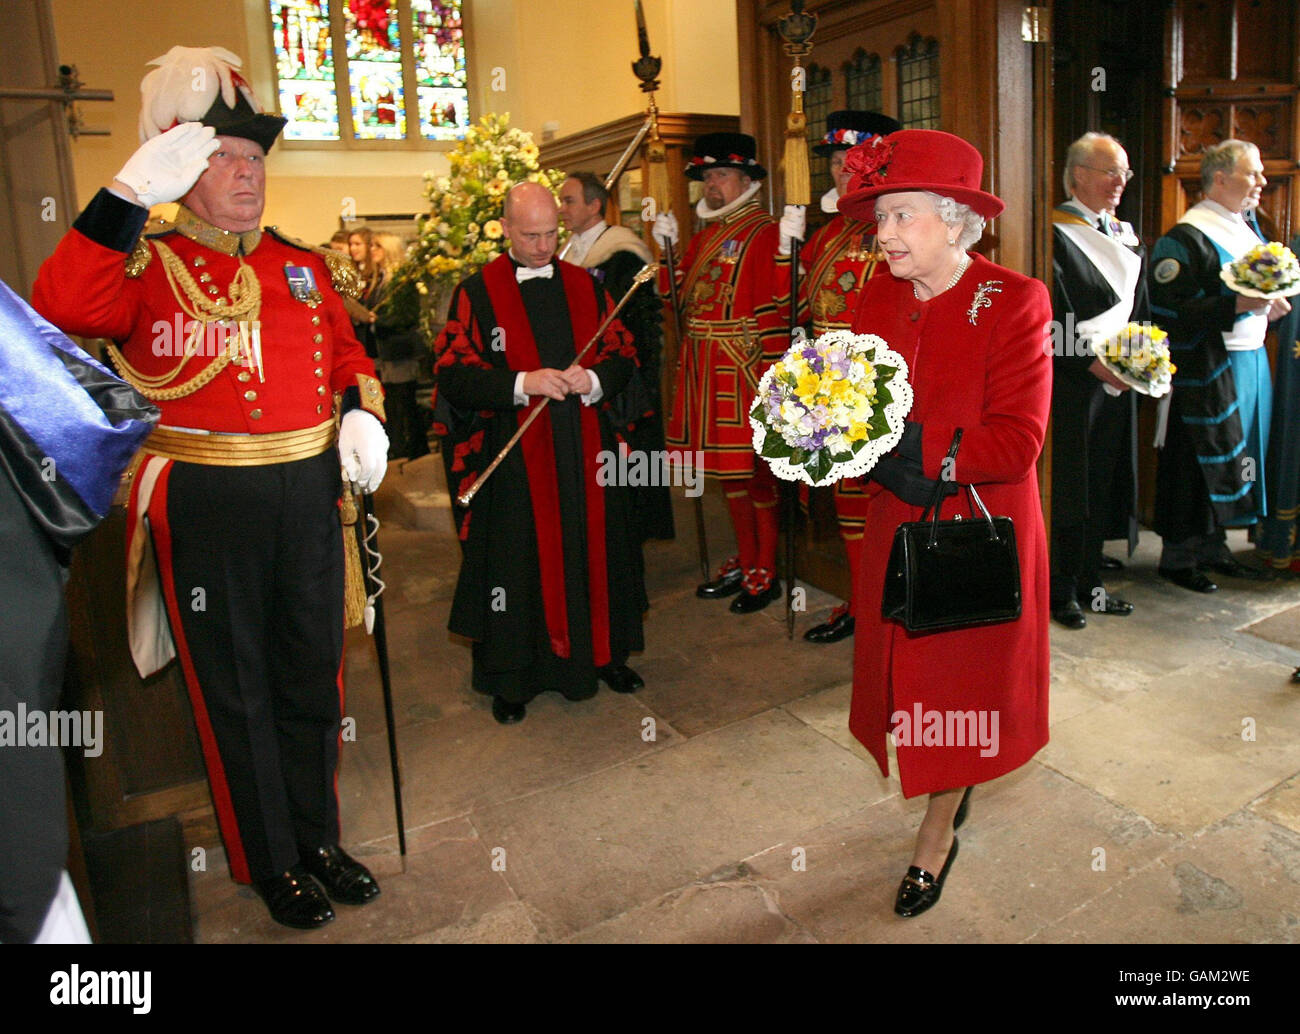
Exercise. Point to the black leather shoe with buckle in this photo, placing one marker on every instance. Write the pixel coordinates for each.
(345, 879)
(726, 583)
(294, 899)
(920, 890)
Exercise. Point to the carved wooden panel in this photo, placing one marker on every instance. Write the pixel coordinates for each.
(1207, 51)
(1265, 35)
(1265, 123)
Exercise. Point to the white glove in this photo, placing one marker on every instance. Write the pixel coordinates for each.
(165, 167)
(793, 224)
(363, 449)
(665, 229)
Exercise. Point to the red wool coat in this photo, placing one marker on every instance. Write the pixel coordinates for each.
(988, 370)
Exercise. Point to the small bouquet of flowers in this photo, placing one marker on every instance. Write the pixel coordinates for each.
(1266, 271)
(830, 407)
(1139, 356)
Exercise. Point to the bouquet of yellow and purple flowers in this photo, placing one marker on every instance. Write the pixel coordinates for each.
(1266, 271)
(1139, 356)
(830, 407)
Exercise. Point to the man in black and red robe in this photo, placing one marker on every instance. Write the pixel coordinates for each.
(549, 590)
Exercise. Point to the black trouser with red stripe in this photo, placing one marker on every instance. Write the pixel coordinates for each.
(265, 635)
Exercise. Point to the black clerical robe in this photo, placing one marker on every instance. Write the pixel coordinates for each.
(1094, 444)
(549, 589)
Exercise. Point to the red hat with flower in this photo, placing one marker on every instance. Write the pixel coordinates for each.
(915, 159)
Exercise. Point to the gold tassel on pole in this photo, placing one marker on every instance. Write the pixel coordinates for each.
(354, 582)
(796, 29)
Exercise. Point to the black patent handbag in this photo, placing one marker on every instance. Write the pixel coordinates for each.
(945, 575)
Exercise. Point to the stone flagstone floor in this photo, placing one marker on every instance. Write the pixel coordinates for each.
(727, 801)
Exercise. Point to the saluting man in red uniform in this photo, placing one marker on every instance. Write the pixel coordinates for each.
(837, 260)
(240, 338)
(735, 297)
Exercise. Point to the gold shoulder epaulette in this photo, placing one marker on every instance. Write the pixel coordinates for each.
(343, 274)
(138, 261)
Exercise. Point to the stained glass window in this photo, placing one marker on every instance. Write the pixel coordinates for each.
(401, 68)
(918, 83)
(862, 83)
(816, 106)
(304, 56)
(440, 68)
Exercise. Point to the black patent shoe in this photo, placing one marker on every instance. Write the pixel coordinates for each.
(838, 626)
(726, 583)
(1234, 568)
(621, 678)
(1111, 605)
(294, 899)
(755, 597)
(1109, 563)
(963, 809)
(507, 713)
(1070, 615)
(1187, 578)
(919, 890)
(345, 879)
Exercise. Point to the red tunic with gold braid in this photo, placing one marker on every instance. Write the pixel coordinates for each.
(308, 350)
(837, 260)
(735, 301)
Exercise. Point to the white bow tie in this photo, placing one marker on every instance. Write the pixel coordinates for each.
(523, 273)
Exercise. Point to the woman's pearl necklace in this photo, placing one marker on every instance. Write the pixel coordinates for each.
(956, 275)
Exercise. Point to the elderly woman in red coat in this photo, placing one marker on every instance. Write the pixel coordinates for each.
(968, 705)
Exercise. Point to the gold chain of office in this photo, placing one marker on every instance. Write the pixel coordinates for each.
(245, 303)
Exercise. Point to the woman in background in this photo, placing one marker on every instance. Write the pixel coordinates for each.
(398, 348)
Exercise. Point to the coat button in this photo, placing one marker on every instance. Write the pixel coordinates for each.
(250, 396)
(915, 316)
(244, 377)
(317, 338)
(315, 321)
(320, 408)
(320, 389)
(317, 356)
(205, 278)
(255, 415)
(318, 372)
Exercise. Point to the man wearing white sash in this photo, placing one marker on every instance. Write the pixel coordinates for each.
(1098, 287)
(1211, 472)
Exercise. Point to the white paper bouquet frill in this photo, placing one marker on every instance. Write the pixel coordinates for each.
(1266, 271)
(830, 407)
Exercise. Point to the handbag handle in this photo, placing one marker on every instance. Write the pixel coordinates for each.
(939, 483)
(971, 496)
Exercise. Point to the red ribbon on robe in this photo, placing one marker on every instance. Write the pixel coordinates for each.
(539, 454)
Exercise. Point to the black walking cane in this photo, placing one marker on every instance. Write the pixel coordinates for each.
(368, 542)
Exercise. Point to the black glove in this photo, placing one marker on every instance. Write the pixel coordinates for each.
(901, 471)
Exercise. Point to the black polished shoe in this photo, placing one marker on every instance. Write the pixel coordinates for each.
(1112, 605)
(507, 713)
(345, 879)
(1234, 568)
(1109, 563)
(749, 602)
(1070, 615)
(726, 583)
(294, 899)
(963, 809)
(919, 890)
(621, 678)
(1187, 578)
(838, 626)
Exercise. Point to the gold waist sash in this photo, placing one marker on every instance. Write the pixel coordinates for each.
(241, 450)
(720, 330)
